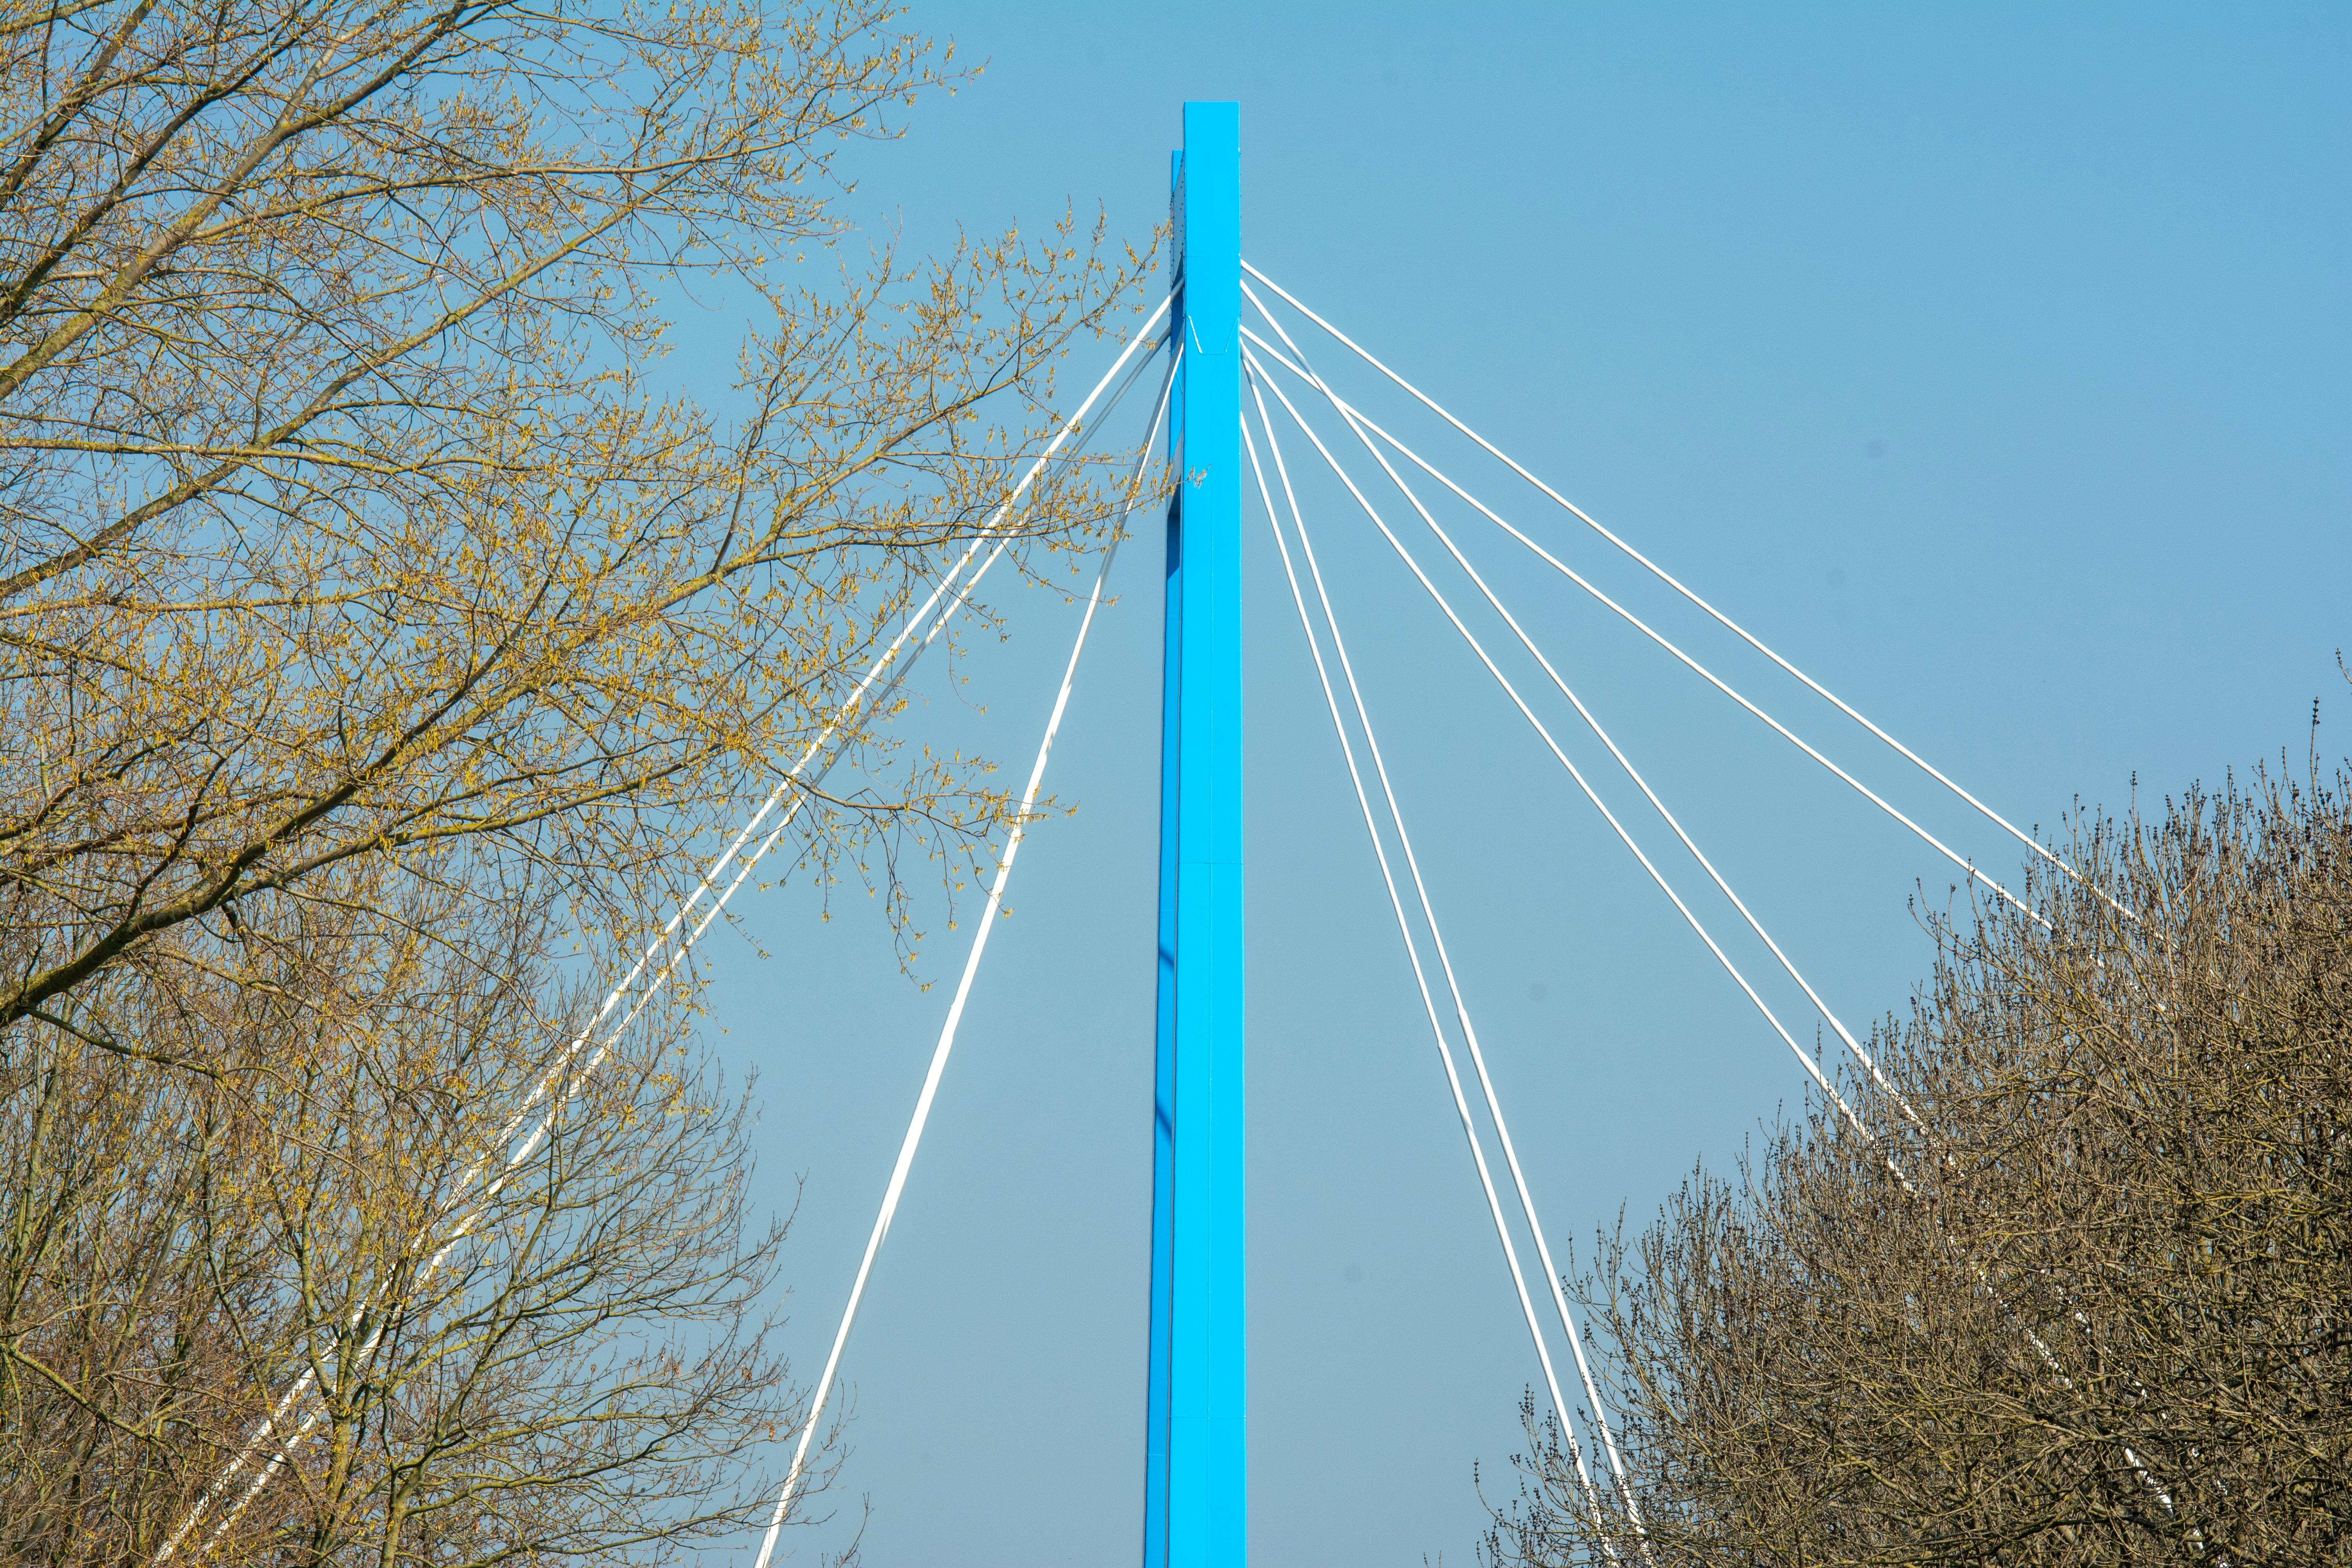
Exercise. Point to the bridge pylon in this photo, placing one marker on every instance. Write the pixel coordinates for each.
(1196, 1487)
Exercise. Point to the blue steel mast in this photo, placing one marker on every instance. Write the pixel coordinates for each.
(1196, 1485)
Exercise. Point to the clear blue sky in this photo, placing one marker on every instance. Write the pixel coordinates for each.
(1992, 361)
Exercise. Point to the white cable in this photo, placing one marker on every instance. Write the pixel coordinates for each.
(1349, 414)
(1893, 1167)
(940, 1053)
(1852, 1045)
(1404, 928)
(1353, 415)
(1812, 1069)
(261, 1434)
(1453, 984)
(1462, 1012)
(1672, 582)
(517, 1154)
(520, 1154)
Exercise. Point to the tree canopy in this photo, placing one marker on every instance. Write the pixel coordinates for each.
(2072, 1286)
(385, 628)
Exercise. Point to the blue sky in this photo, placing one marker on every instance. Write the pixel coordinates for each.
(1991, 362)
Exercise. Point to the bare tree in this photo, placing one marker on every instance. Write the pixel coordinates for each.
(338, 515)
(2080, 1295)
(374, 622)
(469, 1358)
